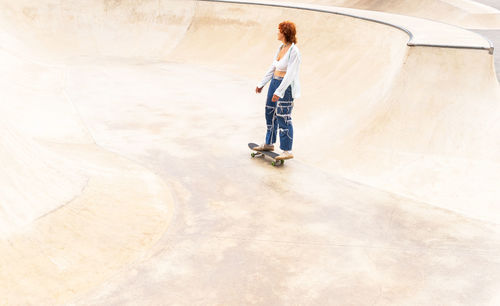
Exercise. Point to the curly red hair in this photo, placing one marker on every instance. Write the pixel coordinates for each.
(287, 28)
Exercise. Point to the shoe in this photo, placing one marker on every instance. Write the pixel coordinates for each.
(264, 147)
(285, 155)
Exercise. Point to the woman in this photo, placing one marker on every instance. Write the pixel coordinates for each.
(284, 88)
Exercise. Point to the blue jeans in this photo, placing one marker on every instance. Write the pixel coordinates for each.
(278, 116)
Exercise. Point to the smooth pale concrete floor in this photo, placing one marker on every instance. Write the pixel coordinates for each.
(243, 232)
(247, 233)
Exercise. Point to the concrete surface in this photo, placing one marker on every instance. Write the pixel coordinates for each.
(462, 13)
(480, 16)
(491, 3)
(127, 180)
(492, 35)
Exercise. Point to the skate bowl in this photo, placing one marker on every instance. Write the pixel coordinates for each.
(127, 178)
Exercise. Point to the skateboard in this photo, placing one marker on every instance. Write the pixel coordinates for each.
(269, 154)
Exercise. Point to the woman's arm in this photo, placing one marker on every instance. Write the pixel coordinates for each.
(269, 74)
(291, 71)
(267, 77)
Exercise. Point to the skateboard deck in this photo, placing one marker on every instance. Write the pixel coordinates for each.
(269, 154)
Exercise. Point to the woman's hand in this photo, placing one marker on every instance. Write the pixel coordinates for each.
(275, 98)
(258, 90)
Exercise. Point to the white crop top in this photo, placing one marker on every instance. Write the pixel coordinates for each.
(290, 62)
(281, 64)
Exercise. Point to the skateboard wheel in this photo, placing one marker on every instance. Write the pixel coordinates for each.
(282, 162)
(253, 154)
(273, 163)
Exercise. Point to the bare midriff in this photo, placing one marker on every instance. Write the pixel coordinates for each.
(279, 73)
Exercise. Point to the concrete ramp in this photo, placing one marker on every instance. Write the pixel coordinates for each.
(127, 178)
(420, 107)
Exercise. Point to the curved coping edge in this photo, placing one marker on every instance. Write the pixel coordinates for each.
(410, 42)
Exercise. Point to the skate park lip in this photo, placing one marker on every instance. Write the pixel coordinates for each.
(422, 32)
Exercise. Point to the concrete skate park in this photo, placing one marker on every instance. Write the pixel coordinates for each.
(127, 180)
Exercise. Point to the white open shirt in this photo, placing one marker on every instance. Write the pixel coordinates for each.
(292, 72)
